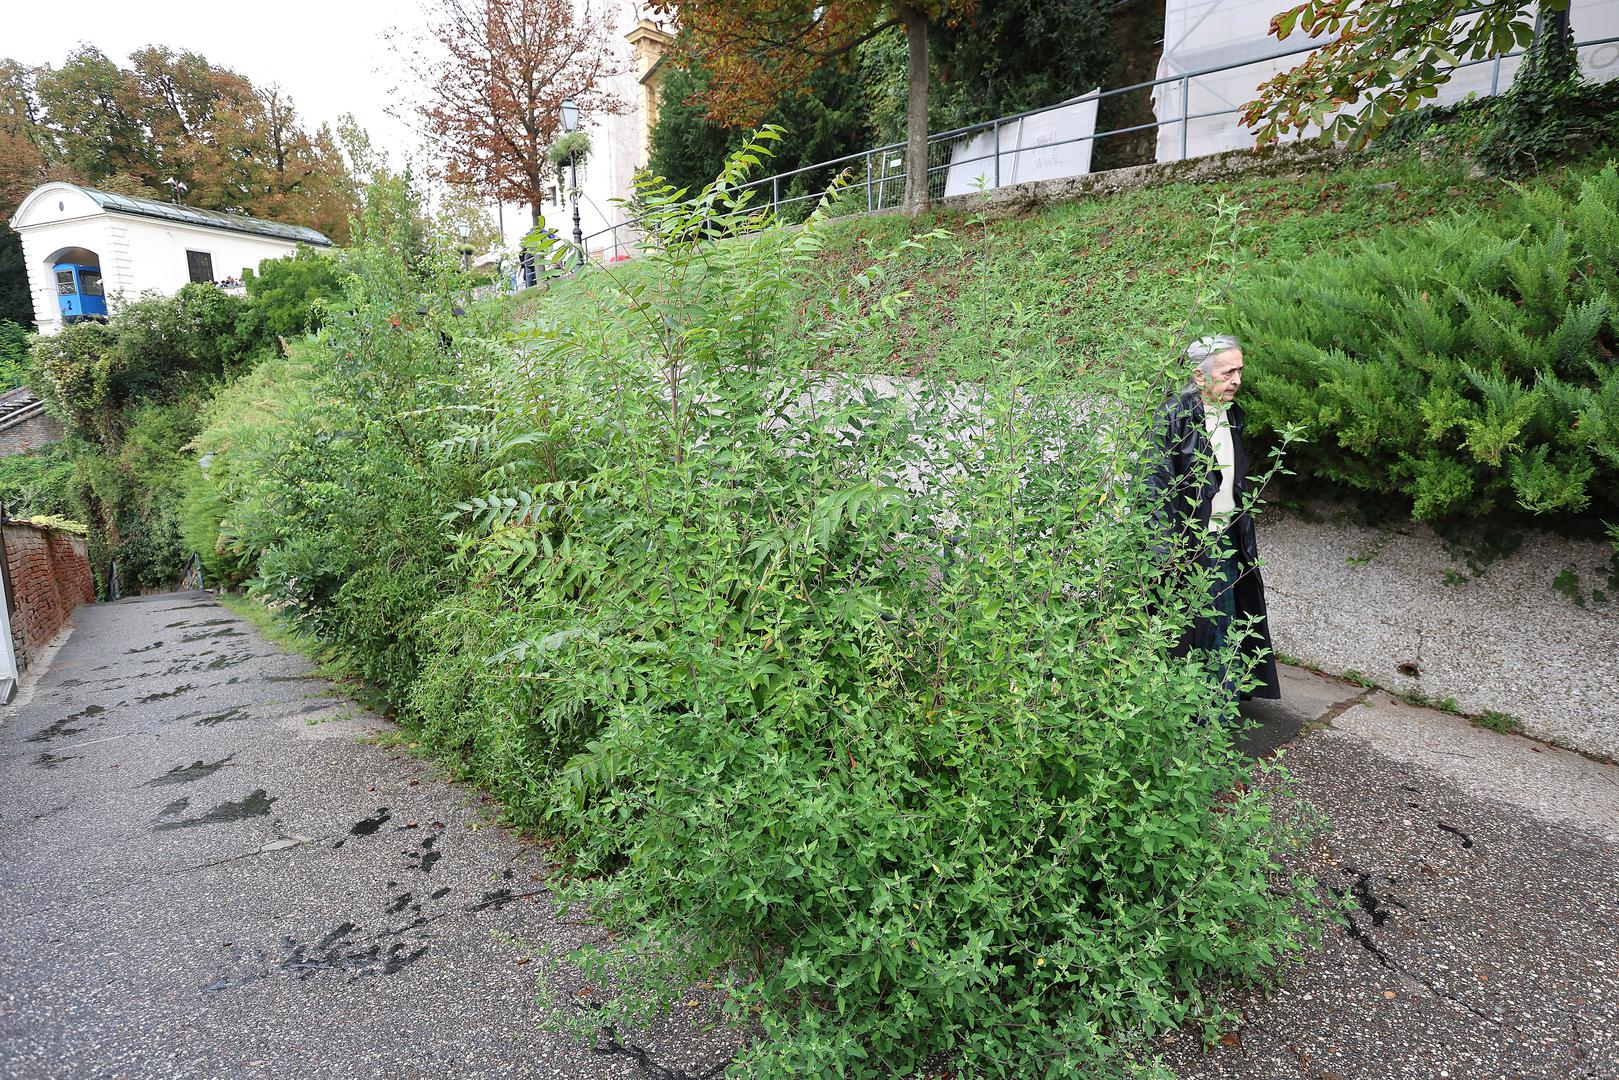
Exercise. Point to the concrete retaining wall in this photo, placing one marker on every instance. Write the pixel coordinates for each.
(1378, 601)
(1278, 159)
(47, 577)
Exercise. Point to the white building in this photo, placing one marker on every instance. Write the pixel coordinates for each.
(89, 250)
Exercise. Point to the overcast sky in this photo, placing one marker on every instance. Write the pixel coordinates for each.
(330, 56)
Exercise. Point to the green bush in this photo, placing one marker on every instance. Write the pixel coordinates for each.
(850, 699)
(71, 372)
(322, 483)
(245, 429)
(127, 392)
(40, 483)
(1463, 367)
(169, 343)
(288, 296)
(13, 354)
(156, 349)
(133, 495)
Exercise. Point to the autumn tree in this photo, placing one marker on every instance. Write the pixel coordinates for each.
(759, 50)
(1386, 57)
(92, 112)
(23, 165)
(225, 143)
(24, 160)
(494, 94)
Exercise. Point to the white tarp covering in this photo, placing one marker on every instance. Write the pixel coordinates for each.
(1026, 149)
(1201, 34)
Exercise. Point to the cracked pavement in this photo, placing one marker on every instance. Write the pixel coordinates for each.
(1478, 880)
(207, 873)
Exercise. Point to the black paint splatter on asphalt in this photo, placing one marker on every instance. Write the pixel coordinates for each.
(256, 804)
(64, 728)
(185, 774)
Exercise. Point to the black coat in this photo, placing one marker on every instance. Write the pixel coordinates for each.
(1182, 488)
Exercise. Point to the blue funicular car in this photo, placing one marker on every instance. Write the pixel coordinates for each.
(79, 291)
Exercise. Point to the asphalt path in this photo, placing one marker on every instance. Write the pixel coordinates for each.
(209, 869)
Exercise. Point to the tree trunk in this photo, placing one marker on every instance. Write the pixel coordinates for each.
(1551, 54)
(916, 110)
(1557, 22)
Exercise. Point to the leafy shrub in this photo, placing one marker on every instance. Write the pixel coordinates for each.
(13, 354)
(71, 370)
(156, 349)
(848, 694)
(1462, 367)
(244, 431)
(321, 480)
(127, 392)
(854, 695)
(40, 483)
(167, 343)
(133, 493)
(288, 296)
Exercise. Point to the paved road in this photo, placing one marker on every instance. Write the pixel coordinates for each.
(206, 873)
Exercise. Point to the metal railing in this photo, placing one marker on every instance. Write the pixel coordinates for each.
(879, 174)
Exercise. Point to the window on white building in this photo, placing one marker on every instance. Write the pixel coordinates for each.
(200, 264)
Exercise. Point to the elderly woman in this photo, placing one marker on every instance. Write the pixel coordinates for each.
(1199, 484)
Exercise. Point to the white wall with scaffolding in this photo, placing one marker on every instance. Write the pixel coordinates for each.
(1203, 34)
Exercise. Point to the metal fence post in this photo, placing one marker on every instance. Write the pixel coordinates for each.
(1186, 111)
(870, 202)
(997, 153)
(775, 194)
(1495, 76)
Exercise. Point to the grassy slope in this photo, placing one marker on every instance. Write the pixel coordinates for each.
(1102, 272)
(1105, 271)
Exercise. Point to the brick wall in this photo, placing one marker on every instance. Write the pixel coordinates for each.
(48, 575)
(30, 433)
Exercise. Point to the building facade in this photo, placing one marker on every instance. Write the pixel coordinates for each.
(88, 251)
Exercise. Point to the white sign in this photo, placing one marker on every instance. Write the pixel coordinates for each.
(1050, 145)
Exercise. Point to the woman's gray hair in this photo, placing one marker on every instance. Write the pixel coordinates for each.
(1201, 353)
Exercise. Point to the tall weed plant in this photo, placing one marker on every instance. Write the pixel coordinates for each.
(853, 694)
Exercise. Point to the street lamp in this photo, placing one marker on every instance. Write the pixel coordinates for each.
(570, 124)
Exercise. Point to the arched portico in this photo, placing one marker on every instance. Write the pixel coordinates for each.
(77, 277)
